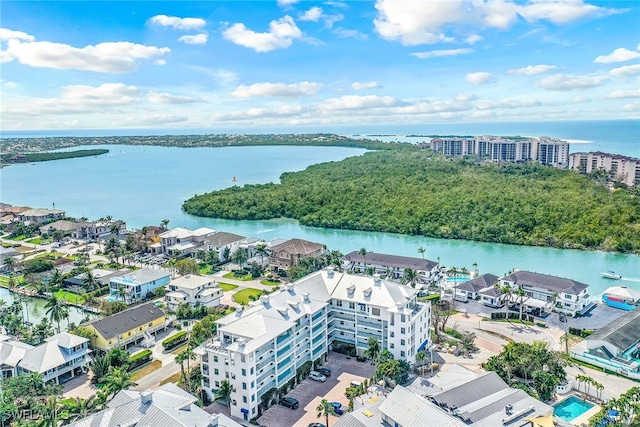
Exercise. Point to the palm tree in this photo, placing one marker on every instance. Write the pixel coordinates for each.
(421, 250)
(80, 408)
(56, 310)
(49, 413)
(89, 281)
(420, 358)
(189, 355)
(521, 294)
(363, 252)
(454, 271)
(180, 358)
(56, 277)
(122, 292)
(325, 408)
(240, 256)
(224, 392)
(261, 250)
(410, 277)
(9, 263)
(213, 257)
(374, 349)
(226, 253)
(507, 292)
(118, 379)
(165, 223)
(475, 267)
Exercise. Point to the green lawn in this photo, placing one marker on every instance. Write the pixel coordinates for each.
(232, 275)
(242, 297)
(270, 282)
(70, 296)
(205, 269)
(226, 287)
(39, 241)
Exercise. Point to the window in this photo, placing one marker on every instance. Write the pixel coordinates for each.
(392, 334)
(402, 353)
(402, 342)
(362, 307)
(252, 384)
(375, 311)
(215, 358)
(339, 303)
(244, 372)
(217, 384)
(391, 346)
(402, 318)
(215, 371)
(253, 397)
(242, 358)
(352, 305)
(244, 386)
(244, 399)
(403, 331)
(251, 370)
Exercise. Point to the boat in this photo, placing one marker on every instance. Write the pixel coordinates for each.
(621, 297)
(611, 275)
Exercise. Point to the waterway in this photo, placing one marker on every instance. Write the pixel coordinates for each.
(144, 185)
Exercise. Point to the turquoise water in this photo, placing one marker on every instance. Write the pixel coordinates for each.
(457, 279)
(144, 185)
(571, 408)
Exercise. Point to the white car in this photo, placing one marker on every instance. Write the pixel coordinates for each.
(317, 376)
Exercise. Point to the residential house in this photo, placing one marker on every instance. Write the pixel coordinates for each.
(138, 284)
(223, 242)
(133, 326)
(40, 215)
(615, 347)
(166, 406)
(8, 253)
(550, 292)
(11, 353)
(100, 229)
(66, 227)
(392, 266)
(102, 276)
(473, 288)
(287, 254)
(182, 241)
(193, 290)
(260, 346)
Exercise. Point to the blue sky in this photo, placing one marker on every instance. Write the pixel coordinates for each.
(296, 64)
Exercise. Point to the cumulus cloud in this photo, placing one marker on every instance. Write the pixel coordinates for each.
(344, 33)
(532, 70)
(110, 57)
(507, 103)
(422, 22)
(260, 113)
(441, 53)
(280, 35)
(633, 107)
(353, 102)
(194, 39)
(10, 84)
(280, 90)
(565, 82)
(618, 55)
(157, 119)
(178, 23)
(6, 34)
(166, 98)
(479, 78)
(313, 14)
(365, 85)
(633, 93)
(286, 3)
(474, 38)
(625, 72)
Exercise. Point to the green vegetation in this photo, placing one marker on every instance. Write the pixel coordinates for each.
(238, 276)
(271, 282)
(44, 157)
(414, 191)
(71, 297)
(244, 296)
(175, 340)
(226, 287)
(627, 407)
(139, 359)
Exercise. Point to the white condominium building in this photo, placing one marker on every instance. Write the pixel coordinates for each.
(621, 168)
(261, 346)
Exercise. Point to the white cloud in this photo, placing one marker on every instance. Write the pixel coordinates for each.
(260, 113)
(344, 33)
(354, 102)
(618, 55)
(194, 39)
(157, 119)
(160, 62)
(633, 93)
(6, 34)
(634, 107)
(166, 98)
(280, 35)
(110, 57)
(421, 22)
(280, 90)
(313, 14)
(565, 82)
(285, 3)
(178, 23)
(441, 53)
(532, 70)
(507, 103)
(10, 84)
(474, 38)
(365, 85)
(479, 78)
(580, 100)
(626, 71)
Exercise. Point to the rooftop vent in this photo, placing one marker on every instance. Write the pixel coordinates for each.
(265, 299)
(367, 292)
(294, 304)
(284, 310)
(329, 272)
(351, 289)
(306, 297)
(146, 396)
(376, 279)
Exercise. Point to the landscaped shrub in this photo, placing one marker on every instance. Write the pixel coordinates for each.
(175, 340)
(139, 359)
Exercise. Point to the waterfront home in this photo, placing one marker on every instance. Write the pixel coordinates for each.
(181, 241)
(547, 292)
(8, 253)
(40, 215)
(168, 405)
(59, 358)
(137, 285)
(615, 347)
(100, 229)
(260, 346)
(64, 226)
(391, 266)
(287, 254)
(473, 288)
(136, 325)
(221, 241)
(102, 276)
(193, 290)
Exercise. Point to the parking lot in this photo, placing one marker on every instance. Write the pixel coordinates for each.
(309, 393)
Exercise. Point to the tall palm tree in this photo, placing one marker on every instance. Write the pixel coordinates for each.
(189, 355)
(363, 252)
(374, 349)
(421, 250)
(410, 277)
(80, 408)
(224, 392)
(90, 281)
(240, 256)
(475, 267)
(506, 292)
(165, 223)
(9, 263)
(521, 294)
(181, 358)
(56, 277)
(50, 413)
(261, 250)
(420, 358)
(325, 408)
(122, 292)
(213, 257)
(118, 379)
(56, 310)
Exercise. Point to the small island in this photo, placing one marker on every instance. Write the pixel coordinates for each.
(45, 157)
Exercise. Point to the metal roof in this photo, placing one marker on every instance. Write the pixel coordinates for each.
(545, 281)
(478, 283)
(112, 326)
(622, 332)
(470, 391)
(410, 410)
(373, 258)
(49, 355)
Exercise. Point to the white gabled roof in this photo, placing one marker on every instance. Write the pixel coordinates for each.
(11, 352)
(191, 281)
(49, 355)
(178, 233)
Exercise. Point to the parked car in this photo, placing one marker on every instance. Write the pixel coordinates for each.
(324, 371)
(316, 425)
(289, 402)
(338, 409)
(317, 376)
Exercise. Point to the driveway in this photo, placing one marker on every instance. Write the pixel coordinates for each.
(309, 393)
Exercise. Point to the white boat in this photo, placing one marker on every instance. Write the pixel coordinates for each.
(611, 275)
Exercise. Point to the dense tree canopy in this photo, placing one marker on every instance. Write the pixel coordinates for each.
(414, 191)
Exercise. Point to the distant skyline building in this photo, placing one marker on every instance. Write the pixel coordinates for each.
(546, 150)
(621, 168)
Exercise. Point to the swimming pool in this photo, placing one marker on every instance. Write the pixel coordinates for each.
(571, 408)
(457, 279)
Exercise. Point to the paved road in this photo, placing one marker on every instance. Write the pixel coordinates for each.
(169, 367)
